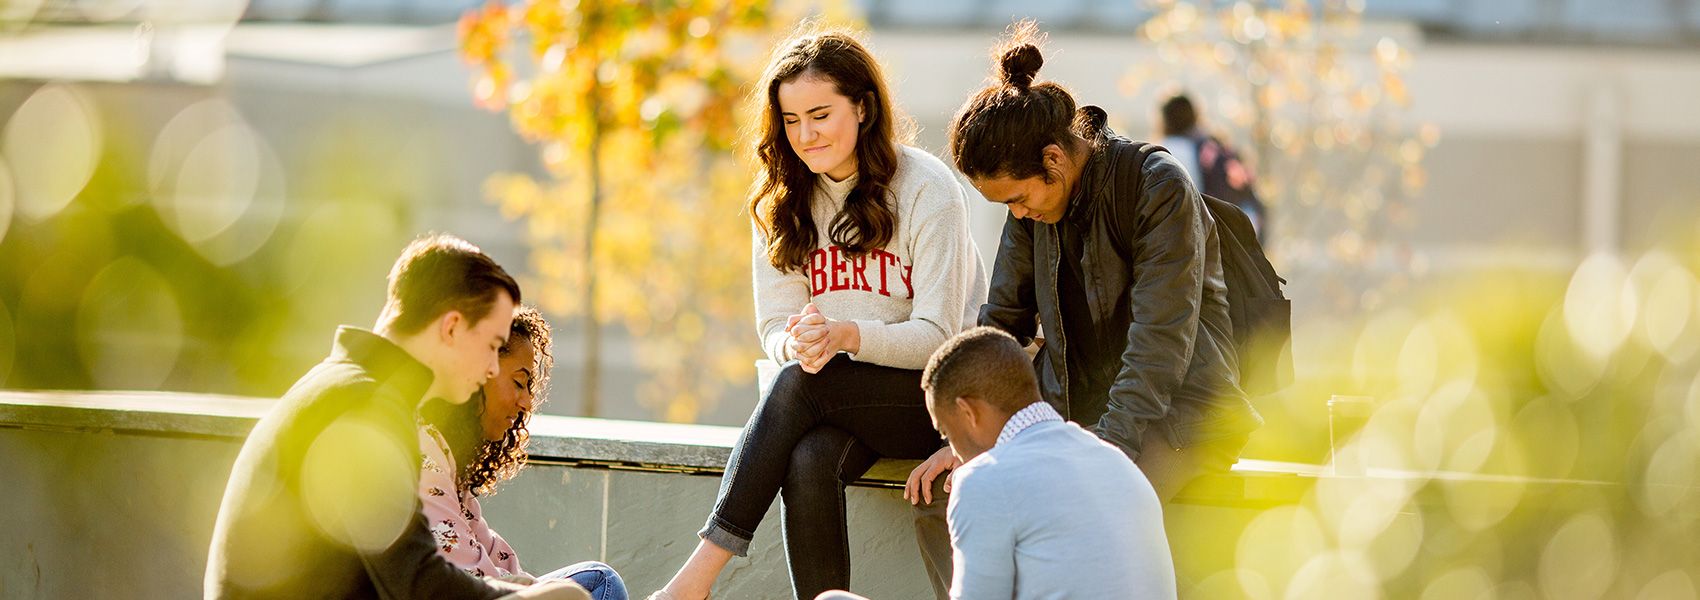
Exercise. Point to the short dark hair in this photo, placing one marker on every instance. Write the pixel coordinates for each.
(1004, 128)
(1179, 116)
(982, 363)
(438, 273)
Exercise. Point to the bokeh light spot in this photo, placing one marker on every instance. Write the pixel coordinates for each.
(1419, 361)
(1580, 559)
(1670, 476)
(1359, 509)
(129, 327)
(1276, 544)
(1471, 452)
(1222, 584)
(1668, 293)
(8, 343)
(1670, 585)
(216, 182)
(1691, 407)
(1379, 345)
(1396, 548)
(314, 268)
(1466, 583)
(1567, 371)
(1452, 415)
(1335, 575)
(1438, 349)
(1600, 305)
(53, 143)
(357, 483)
(8, 199)
(1478, 505)
(181, 134)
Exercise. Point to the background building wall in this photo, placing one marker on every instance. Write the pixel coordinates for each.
(1511, 183)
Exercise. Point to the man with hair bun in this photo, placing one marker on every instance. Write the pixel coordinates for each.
(1112, 251)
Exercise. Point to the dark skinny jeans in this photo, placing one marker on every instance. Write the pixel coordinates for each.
(811, 435)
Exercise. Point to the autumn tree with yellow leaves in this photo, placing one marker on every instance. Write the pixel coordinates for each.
(636, 108)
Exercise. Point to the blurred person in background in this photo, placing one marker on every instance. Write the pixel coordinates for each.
(1215, 168)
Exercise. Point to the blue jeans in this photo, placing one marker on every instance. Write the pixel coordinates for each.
(597, 578)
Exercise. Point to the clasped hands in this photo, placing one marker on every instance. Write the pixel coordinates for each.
(815, 339)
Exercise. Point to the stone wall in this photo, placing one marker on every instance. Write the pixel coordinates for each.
(114, 495)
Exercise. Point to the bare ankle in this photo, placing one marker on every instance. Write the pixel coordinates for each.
(677, 591)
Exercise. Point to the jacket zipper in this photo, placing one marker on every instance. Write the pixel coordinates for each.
(1062, 338)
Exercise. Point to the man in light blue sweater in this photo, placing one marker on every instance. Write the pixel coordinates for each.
(1040, 507)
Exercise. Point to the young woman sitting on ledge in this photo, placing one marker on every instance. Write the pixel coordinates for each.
(469, 448)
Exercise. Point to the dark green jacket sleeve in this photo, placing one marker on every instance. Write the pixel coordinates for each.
(1165, 234)
(1010, 304)
(411, 566)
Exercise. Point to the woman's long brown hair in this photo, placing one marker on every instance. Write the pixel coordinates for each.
(780, 203)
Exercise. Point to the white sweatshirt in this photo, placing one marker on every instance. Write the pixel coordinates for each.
(924, 287)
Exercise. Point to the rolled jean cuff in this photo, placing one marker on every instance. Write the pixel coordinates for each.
(726, 537)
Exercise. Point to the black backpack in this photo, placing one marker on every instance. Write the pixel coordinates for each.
(1262, 316)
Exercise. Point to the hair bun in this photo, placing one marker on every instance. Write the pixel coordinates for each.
(1019, 64)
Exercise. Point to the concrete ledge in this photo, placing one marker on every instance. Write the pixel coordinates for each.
(637, 445)
(132, 481)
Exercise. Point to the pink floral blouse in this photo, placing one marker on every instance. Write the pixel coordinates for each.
(455, 518)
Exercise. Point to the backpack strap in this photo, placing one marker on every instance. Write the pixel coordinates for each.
(1128, 179)
(1234, 220)
(1258, 310)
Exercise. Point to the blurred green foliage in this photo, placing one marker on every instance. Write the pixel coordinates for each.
(106, 292)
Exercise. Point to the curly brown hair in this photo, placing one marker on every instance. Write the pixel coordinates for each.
(485, 463)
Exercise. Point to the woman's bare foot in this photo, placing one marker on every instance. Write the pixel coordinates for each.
(696, 578)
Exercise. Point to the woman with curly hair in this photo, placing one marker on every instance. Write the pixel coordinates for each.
(469, 448)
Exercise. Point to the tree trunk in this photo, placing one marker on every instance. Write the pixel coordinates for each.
(592, 382)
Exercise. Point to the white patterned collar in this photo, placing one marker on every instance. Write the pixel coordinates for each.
(1034, 414)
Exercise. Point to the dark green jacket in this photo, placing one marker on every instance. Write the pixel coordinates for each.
(323, 500)
(1152, 272)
